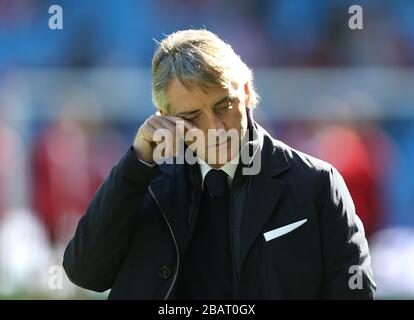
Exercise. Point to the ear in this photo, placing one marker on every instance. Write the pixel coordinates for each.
(247, 94)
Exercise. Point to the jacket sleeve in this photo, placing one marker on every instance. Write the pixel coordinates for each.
(347, 272)
(95, 253)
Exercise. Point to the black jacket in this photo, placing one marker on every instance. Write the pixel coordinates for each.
(138, 225)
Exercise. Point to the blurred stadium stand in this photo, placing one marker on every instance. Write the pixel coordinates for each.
(71, 102)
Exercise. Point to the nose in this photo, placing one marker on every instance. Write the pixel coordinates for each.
(214, 122)
(216, 130)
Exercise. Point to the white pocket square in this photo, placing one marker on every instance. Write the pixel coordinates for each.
(272, 234)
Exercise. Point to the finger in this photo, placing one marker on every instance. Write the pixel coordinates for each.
(164, 123)
(148, 130)
(169, 143)
(176, 130)
(160, 122)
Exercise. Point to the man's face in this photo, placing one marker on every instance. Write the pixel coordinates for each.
(217, 109)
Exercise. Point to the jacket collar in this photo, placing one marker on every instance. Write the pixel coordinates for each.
(172, 189)
(229, 168)
(265, 190)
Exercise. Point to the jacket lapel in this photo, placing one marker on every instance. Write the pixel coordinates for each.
(264, 193)
(170, 187)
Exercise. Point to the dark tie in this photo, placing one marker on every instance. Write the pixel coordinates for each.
(216, 182)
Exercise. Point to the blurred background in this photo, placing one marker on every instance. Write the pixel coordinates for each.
(71, 101)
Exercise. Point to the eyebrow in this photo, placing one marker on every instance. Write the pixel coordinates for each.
(187, 113)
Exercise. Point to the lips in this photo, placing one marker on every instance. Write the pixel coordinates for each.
(218, 145)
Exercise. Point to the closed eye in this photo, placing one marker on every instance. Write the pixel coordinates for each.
(190, 118)
(191, 115)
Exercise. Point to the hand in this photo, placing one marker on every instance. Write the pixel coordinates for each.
(144, 143)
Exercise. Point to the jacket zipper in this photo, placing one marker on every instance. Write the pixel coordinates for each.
(175, 243)
(235, 266)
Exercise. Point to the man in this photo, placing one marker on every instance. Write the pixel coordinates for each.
(279, 225)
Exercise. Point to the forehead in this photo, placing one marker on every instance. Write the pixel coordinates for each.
(181, 99)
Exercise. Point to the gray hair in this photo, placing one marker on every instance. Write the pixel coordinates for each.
(197, 57)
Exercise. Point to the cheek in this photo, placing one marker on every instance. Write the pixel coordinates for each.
(239, 118)
(201, 126)
(201, 133)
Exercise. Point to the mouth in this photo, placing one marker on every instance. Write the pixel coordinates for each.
(219, 145)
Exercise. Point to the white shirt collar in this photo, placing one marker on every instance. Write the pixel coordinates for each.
(229, 168)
